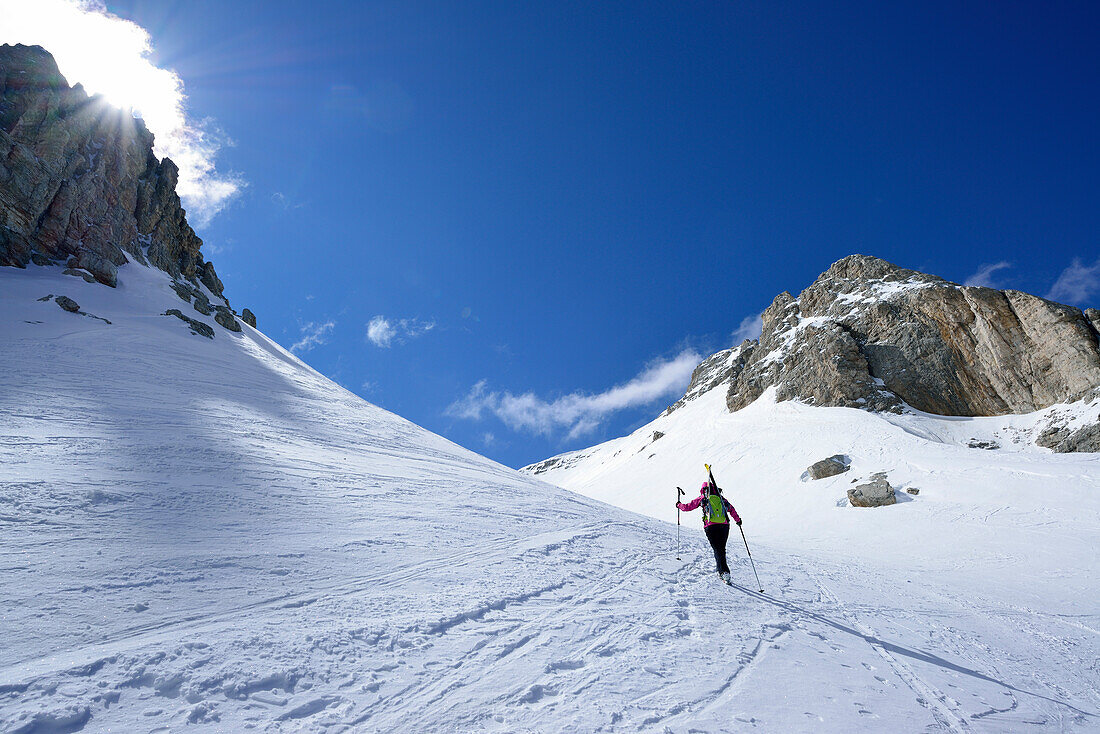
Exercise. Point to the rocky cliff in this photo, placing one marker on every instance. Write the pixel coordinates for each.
(869, 334)
(79, 182)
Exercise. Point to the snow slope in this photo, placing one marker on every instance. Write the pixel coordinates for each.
(999, 541)
(210, 536)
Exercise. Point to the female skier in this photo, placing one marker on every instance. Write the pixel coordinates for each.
(717, 512)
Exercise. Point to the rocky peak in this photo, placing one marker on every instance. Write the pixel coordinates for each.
(872, 335)
(79, 181)
(713, 371)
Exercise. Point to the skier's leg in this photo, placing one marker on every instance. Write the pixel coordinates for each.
(718, 535)
(720, 548)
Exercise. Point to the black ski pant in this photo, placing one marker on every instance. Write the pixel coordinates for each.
(718, 534)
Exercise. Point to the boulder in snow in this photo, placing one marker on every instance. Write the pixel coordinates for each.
(197, 327)
(68, 304)
(830, 467)
(874, 493)
(249, 318)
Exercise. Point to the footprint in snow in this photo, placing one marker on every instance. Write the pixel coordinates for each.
(536, 693)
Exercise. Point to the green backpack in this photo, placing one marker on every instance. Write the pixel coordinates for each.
(714, 509)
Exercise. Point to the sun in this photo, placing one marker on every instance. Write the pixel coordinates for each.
(107, 55)
(148, 92)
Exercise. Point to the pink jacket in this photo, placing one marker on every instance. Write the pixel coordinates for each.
(699, 500)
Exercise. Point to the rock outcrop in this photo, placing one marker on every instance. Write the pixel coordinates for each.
(715, 370)
(79, 182)
(198, 328)
(1065, 433)
(869, 334)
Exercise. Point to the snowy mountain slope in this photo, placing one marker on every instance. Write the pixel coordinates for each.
(207, 535)
(1018, 517)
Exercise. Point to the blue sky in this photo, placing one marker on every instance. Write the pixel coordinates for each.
(519, 224)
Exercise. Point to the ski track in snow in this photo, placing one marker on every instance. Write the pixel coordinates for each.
(210, 536)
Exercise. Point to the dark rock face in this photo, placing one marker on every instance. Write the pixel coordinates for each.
(871, 335)
(78, 178)
(202, 305)
(103, 270)
(225, 318)
(249, 318)
(715, 370)
(875, 493)
(79, 274)
(830, 467)
(1093, 316)
(210, 279)
(1064, 439)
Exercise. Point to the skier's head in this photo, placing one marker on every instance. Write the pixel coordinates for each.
(707, 486)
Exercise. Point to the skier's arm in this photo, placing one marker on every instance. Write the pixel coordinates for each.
(690, 505)
(732, 512)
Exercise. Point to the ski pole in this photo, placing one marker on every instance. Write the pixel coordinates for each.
(679, 493)
(750, 556)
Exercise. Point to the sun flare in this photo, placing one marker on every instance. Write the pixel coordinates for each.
(113, 57)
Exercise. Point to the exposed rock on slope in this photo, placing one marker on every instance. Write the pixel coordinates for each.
(715, 370)
(872, 335)
(78, 178)
(79, 182)
(830, 467)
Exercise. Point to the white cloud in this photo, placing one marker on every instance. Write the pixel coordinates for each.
(577, 413)
(749, 328)
(313, 335)
(1077, 284)
(382, 331)
(984, 276)
(110, 56)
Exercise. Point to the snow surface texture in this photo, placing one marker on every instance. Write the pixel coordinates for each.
(203, 535)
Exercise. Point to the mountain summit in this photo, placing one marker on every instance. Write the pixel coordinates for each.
(869, 334)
